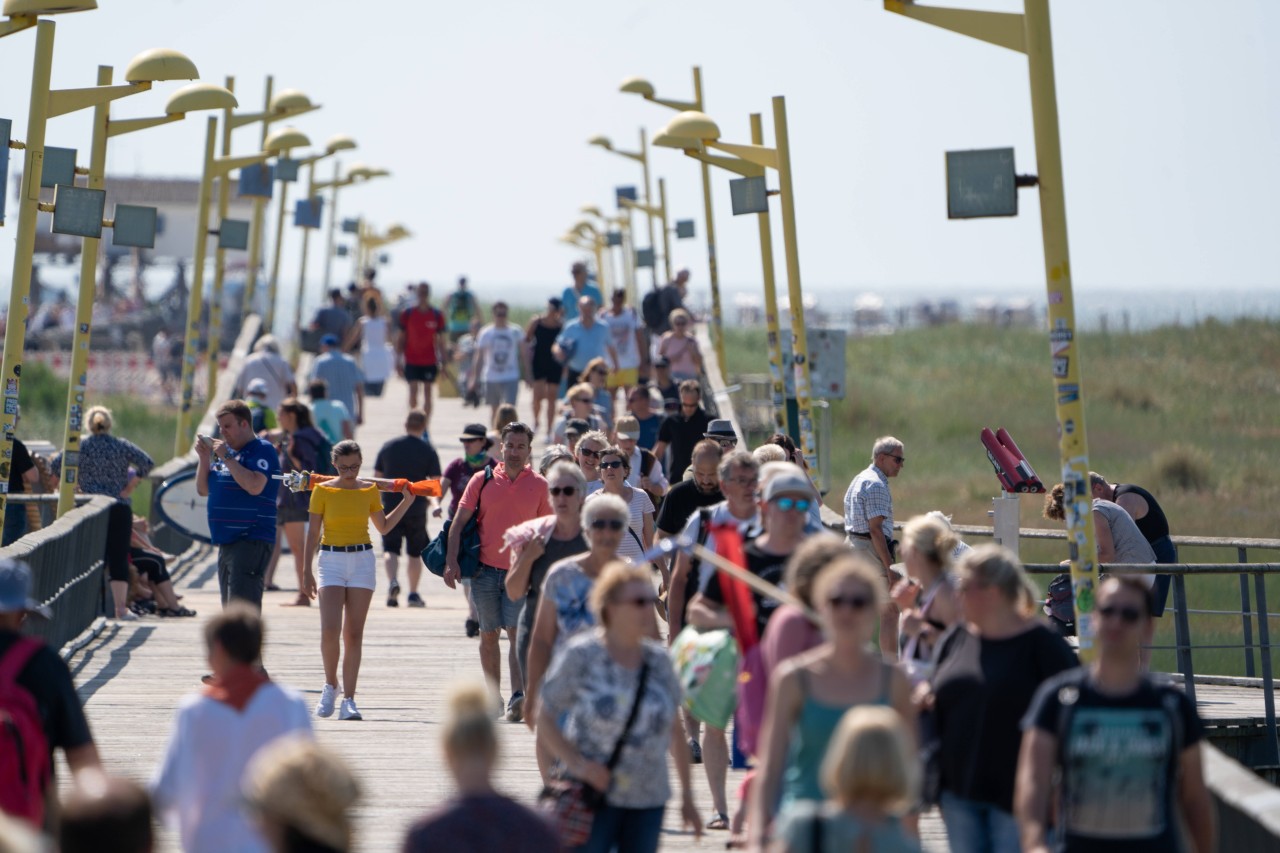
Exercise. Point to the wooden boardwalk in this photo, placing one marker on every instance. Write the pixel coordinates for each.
(132, 677)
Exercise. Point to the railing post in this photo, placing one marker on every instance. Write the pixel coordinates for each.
(1182, 636)
(1264, 643)
(1246, 622)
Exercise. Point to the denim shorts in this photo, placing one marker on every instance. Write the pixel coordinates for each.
(494, 608)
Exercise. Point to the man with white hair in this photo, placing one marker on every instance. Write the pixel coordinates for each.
(266, 363)
(868, 520)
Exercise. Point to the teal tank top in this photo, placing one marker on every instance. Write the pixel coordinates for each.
(809, 738)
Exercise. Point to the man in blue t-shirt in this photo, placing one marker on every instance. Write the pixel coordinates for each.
(237, 474)
(582, 340)
(580, 288)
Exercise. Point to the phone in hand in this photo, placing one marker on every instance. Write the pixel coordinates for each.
(207, 441)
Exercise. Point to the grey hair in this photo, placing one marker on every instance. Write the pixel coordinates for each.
(885, 444)
(594, 435)
(603, 506)
(1096, 479)
(553, 454)
(567, 468)
(737, 459)
(267, 343)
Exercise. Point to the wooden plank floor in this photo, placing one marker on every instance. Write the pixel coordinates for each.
(132, 677)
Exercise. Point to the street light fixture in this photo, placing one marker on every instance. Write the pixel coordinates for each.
(605, 226)
(214, 167)
(274, 143)
(190, 98)
(356, 173)
(641, 157)
(333, 146)
(46, 103)
(1030, 33)
(368, 240)
(643, 88)
(695, 131)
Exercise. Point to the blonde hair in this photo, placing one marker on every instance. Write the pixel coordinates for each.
(613, 577)
(932, 538)
(995, 566)
(468, 731)
(850, 566)
(679, 314)
(306, 787)
(581, 388)
(869, 760)
(807, 562)
(767, 453)
(99, 420)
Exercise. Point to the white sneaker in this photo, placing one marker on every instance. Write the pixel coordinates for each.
(324, 708)
(349, 711)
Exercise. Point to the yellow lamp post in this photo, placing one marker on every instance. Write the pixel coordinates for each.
(697, 131)
(45, 104)
(356, 174)
(596, 243)
(289, 103)
(214, 167)
(748, 169)
(642, 87)
(370, 241)
(1030, 33)
(626, 276)
(192, 98)
(332, 147)
(343, 142)
(658, 212)
(641, 157)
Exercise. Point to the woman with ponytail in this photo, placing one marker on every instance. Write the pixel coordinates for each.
(477, 817)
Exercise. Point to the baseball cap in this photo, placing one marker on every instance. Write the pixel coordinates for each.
(15, 589)
(576, 426)
(628, 427)
(791, 481)
(257, 386)
(329, 341)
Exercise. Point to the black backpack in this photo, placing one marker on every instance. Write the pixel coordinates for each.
(651, 310)
(1058, 606)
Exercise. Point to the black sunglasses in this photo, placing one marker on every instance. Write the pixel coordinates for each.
(853, 602)
(1127, 615)
(640, 601)
(567, 491)
(607, 524)
(589, 453)
(617, 463)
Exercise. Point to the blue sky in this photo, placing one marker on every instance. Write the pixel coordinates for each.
(1170, 112)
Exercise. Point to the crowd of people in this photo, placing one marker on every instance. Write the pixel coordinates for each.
(873, 678)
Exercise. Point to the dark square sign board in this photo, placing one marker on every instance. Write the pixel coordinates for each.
(981, 183)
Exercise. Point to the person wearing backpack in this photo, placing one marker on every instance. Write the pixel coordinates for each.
(1121, 750)
(39, 708)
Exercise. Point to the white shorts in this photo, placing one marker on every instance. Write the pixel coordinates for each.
(347, 568)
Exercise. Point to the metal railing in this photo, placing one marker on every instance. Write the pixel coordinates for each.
(66, 560)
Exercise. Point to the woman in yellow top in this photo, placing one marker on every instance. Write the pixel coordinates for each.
(342, 508)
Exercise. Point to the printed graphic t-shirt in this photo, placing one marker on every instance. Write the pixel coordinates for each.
(1119, 758)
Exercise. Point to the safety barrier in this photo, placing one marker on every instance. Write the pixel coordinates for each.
(66, 560)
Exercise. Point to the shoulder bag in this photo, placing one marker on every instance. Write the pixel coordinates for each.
(436, 554)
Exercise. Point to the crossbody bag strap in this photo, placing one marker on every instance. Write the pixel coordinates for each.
(631, 718)
(488, 475)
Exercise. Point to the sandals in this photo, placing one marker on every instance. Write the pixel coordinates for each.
(176, 611)
(720, 821)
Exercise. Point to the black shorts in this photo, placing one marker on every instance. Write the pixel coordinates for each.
(412, 530)
(420, 372)
(291, 513)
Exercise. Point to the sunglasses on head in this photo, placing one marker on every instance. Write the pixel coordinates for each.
(589, 453)
(616, 463)
(567, 491)
(607, 524)
(853, 602)
(1127, 615)
(797, 504)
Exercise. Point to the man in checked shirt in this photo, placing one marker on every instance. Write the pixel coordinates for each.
(868, 520)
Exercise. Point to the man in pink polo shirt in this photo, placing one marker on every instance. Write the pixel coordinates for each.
(515, 494)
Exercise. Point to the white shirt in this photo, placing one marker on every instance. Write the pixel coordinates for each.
(719, 515)
(501, 349)
(270, 368)
(656, 477)
(622, 333)
(197, 785)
